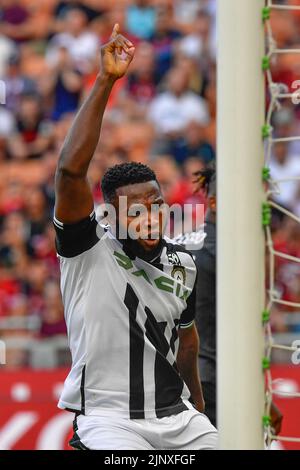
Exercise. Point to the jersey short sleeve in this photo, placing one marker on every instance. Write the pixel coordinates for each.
(74, 239)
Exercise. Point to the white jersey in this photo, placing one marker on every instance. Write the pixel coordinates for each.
(122, 315)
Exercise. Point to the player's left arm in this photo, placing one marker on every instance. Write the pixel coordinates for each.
(187, 363)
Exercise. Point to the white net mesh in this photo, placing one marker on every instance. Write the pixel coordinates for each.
(277, 94)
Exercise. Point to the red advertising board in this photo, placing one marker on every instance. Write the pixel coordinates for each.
(30, 419)
(286, 378)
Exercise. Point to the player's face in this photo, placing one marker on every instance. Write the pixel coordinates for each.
(142, 214)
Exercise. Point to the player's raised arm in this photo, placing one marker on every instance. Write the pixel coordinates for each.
(73, 194)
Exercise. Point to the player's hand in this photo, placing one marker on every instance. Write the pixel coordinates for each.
(276, 419)
(116, 55)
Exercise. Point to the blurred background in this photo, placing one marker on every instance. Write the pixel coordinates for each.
(163, 113)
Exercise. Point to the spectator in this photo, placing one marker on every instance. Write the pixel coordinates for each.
(49, 162)
(192, 143)
(199, 44)
(64, 82)
(36, 211)
(81, 44)
(33, 133)
(21, 23)
(7, 129)
(35, 281)
(287, 273)
(142, 80)
(185, 12)
(164, 39)
(13, 15)
(173, 109)
(141, 19)
(53, 314)
(7, 49)
(91, 8)
(12, 198)
(16, 84)
(14, 248)
(284, 165)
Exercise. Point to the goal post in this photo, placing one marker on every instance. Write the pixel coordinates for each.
(240, 235)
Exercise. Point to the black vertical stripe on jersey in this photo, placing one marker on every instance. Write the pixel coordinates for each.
(174, 336)
(136, 358)
(168, 383)
(82, 393)
(75, 441)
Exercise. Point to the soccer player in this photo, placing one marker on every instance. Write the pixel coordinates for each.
(129, 303)
(205, 316)
(206, 297)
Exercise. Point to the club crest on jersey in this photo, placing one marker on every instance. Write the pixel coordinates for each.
(179, 274)
(174, 258)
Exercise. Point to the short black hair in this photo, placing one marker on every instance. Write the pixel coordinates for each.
(206, 180)
(122, 175)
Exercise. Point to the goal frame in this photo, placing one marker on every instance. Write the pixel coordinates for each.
(240, 235)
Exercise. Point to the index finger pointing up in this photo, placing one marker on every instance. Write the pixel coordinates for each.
(115, 31)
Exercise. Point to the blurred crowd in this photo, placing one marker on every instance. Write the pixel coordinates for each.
(162, 113)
